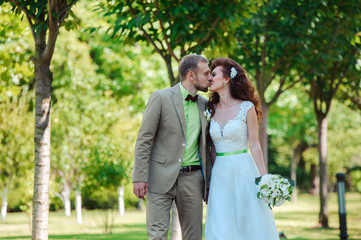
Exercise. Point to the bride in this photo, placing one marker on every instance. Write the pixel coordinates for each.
(234, 211)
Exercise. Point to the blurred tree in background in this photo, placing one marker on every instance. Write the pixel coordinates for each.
(88, 68)
(16, 148)
(175, 30)
(102, 79)
(268, 45)
(15, 49)
(288, 42)
(333, 49)
(45, 19)
(292, 121)
(99, 94)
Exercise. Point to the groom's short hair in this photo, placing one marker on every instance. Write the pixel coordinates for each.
(190, 63)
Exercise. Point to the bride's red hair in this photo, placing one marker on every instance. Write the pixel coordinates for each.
(240, 86)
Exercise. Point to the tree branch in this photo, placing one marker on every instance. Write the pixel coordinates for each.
(340, 77)
(59, 172)
(280, 91)
(293, 84)
(335, 33)
(147, 36)
(356, 101)
(170, 50)
(272, 73)
(206, 36)
(214, 24)
(313, 95)
(182, 50)
(31, 27)
(26, 11)
(54, 25)
(257, 43)
(269, 80)
(151, 24)
(52, 34)
(245, 49)
(263, 58)
(150, 40)
(64, 12)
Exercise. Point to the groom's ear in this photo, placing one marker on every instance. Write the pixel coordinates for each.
(190, 75)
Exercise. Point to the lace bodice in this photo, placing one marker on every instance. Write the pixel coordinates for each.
(230, 133)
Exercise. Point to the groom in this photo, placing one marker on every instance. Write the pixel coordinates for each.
(171, 158)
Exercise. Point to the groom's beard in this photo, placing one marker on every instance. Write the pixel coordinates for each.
(197, 85)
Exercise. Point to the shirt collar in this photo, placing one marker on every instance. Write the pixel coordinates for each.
(184, 92)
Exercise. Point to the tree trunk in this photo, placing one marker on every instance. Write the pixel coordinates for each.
(121, 201)
(263, 134)
(173, 80)
(175, 230)
(65, 198)
(79, 217)
(294, 161)
(314, 180)
(302, 163)
(322, 136)
(348, 181)
(140, 205)
(43, 79)
(4, 203)
(67, 204)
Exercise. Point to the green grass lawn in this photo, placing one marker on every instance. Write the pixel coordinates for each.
(296, 220)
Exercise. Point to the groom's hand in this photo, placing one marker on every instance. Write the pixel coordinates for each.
(140, 189)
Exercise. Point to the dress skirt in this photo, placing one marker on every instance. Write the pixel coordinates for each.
(234, 211)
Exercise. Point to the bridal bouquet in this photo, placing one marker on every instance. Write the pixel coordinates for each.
(274, 189)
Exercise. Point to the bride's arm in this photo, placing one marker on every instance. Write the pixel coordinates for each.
(254, 145)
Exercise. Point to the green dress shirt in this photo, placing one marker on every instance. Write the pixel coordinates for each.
(193, 129)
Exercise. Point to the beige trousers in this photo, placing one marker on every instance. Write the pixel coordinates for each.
(187, 192)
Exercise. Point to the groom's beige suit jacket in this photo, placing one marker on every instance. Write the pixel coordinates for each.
(161, 141)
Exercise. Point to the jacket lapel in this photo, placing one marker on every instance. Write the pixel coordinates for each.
(201, 108)
(203, 136)
(178, 105)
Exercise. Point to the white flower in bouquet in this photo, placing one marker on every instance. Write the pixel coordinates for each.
(274, 189)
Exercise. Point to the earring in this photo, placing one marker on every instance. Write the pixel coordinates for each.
(225, 85)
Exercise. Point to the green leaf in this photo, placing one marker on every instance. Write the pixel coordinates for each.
(138, 21)
(55, 14)
(257, 180)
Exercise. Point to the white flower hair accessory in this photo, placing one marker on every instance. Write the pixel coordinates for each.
(233, 73)
(207, 114)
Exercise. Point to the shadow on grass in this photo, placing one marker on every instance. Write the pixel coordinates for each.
(298, 238)
(315, 230)
(131, 235)
(135, 232)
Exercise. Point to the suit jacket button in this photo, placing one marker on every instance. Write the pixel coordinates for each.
(183, 144)
(179, 160)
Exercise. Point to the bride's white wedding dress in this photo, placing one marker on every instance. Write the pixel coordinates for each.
(234, 211)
